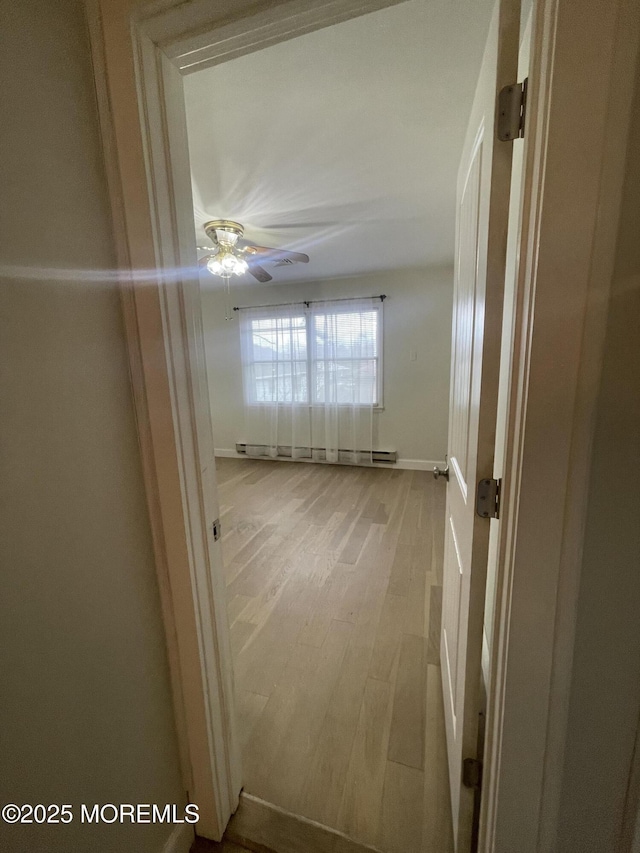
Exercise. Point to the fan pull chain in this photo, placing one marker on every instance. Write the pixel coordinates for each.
(228, 312)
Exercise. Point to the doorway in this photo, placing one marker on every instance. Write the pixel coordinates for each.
(334, 573)
(147, 181)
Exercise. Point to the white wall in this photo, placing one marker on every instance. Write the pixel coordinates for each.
(417, 318)
(605, 686)
(86, 711)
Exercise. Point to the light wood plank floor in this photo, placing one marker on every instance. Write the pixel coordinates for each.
(203, 845)
(334, 578)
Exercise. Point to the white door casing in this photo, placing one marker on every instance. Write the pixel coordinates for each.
(575, 137)
(482, 215)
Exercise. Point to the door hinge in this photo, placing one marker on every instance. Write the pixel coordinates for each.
(488, 498)
(472, 773)
(512, 110)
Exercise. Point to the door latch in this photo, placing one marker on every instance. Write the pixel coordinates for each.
(442, 472)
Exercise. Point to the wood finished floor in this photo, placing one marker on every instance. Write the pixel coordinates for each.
(203, 845)
(334, 579)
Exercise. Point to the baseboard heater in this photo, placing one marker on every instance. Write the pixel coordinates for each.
(315, 453)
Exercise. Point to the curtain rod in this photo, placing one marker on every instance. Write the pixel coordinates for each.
(308, 302)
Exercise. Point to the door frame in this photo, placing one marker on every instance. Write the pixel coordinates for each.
(571, 195)
(139, 54)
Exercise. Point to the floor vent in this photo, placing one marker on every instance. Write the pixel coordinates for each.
(315, 454)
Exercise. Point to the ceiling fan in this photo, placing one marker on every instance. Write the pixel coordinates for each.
(233, 255)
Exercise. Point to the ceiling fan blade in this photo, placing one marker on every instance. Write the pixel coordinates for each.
(277, 254)
(259, 272)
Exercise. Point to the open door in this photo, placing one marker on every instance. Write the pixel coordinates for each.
(482, 218)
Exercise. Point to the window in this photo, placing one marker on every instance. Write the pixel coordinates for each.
(345, 357)
(324, 355)
(278, 360)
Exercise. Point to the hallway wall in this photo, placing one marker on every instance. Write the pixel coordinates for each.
(86, 713)
(605, 687)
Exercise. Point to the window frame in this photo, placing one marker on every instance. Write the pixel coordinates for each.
(310, 361)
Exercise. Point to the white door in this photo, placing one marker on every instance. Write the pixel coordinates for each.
(482, 216)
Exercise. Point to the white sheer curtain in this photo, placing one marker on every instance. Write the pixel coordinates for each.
(312, 378)
(345, 360)
(276, 381)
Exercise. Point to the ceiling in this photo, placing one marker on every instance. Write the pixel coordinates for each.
(342, 143)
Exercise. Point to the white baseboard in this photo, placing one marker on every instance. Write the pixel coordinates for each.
(232, 454)
(406, 464)
(180, 840)
(420, 464)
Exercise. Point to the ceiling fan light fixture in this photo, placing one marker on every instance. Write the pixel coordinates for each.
(228, 256)
(226, 263)
(214, 266)
(241, 266)
(226, 232)
(226, 238)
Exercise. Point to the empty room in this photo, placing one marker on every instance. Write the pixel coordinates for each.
(324, 172)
